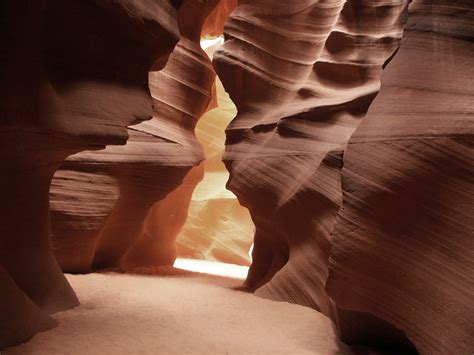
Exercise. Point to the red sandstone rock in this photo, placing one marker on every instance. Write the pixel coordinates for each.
(214, 25)
(80, 203)
(157, 244)
(156, 158)
(302, 75)
(402, 246)
(73, 76)
(21, 318)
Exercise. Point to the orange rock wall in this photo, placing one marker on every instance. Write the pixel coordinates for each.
(302, 76)
(153, 163)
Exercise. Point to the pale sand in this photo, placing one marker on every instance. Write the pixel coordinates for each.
(179, 314)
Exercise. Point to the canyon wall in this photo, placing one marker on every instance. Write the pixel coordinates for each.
(364, 214)
(400, 249)
(125, 216)
(302, 76)
(73, 76)
(402, 245)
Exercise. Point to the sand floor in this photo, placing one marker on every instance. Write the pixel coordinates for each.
(184, 313)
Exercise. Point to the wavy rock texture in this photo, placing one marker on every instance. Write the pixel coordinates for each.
(214, 25)
(164, 221)
(73, 76)
(74, 225)
(302, 76)
(402, 246)
(156, 158)
(217, 226)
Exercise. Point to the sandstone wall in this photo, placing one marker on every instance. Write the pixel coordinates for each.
(132, 227)
(400, 250)
(302, 76)
(402, 245)
(73, 75)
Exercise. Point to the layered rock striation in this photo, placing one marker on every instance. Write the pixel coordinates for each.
(73, 76)
(137, 226)
(402, 250)
(302, 76)
(363, 209)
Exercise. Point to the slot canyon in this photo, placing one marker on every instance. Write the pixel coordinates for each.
(237, 177)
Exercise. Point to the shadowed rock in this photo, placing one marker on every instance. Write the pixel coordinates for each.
(73, 76)
(137, 230)
(402, 245)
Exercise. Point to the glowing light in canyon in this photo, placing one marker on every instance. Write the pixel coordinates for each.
(212, 42)
(212, 268)
(217, 227)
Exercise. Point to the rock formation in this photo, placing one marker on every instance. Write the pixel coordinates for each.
(402, 249)
(21, 318)
(302, 76)
(214, 24)
(165, 219)
(362, 204)
(80, 203)
(156, 158)
(73, 76)
(402, 257)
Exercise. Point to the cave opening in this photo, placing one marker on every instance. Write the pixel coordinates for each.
(217, 236)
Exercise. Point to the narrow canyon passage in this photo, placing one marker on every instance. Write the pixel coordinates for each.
(204, 314)
(217, 227)
(179, 311)
(237, 176)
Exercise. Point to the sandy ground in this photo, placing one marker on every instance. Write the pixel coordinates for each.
(182, 313)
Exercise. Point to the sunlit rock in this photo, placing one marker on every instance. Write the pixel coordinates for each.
(302, 75)
(217, 227)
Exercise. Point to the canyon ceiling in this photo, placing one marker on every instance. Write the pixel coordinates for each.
(351, 150)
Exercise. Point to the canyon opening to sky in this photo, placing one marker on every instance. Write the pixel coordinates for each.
(217, 229)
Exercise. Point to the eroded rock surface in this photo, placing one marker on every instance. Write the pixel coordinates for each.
(21, 318)
(402, 246)
(302, 76)
(156, 158)
(73, 76)
(214, 25)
